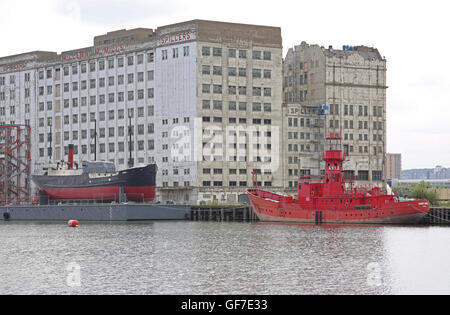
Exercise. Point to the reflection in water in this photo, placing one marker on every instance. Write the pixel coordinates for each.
(224, 258)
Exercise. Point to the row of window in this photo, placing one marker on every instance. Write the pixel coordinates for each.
(175, 53)
(233, 184)
(234, 158)
(236, 133)
(362, 149)
(348, 124)
(291, 98)
(234, 171)
(362, 110)
(112, 132)
(233, 90)
(289, 80)
(233, 53)
(241, 146)
(176, 184)
(12, 79)
(175, 172)
(112, 147)
(296, 172)
(363, 137)
(303, 148)
(112, 98)
(94, 65)
(233, 120)
(347, 136)
(92, 83)
(102, 132)
(232, 106)
(100, 64)
(12, 110)
(233, 71)
(111, 81)
(83, 118)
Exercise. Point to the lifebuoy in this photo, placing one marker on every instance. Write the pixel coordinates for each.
(6, 216)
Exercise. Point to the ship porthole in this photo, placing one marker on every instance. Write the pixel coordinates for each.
(6, 216)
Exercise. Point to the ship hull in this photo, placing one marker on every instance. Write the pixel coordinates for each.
(138, 184)
(412, 212)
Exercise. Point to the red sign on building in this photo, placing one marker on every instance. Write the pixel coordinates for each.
(92, 53)
(14, 67)
(175, 38)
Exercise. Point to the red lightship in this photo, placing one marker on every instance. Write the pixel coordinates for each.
(335, 199)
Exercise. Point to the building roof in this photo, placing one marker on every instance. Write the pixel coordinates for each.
(29, 56)
(214, 31)
(368, 53)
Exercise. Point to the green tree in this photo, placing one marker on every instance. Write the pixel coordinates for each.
(424, 191)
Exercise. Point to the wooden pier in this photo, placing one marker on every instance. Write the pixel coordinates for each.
(223, 214)
(438, 216)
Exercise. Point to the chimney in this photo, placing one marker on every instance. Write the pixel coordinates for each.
(71, 156)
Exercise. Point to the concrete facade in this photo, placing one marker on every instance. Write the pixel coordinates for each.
(202, 99)
(352, 83)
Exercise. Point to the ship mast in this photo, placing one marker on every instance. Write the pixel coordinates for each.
(334, 159)
(130, 133)
(50, 150)
(95, 139)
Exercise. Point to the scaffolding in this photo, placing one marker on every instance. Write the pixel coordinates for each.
(15, 165)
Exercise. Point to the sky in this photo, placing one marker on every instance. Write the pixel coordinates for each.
(412, 35)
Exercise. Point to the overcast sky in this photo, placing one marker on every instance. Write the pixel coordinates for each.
(412, 35)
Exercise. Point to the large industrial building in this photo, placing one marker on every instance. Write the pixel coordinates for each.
(201, 99)
(208, 102)
(327, 89)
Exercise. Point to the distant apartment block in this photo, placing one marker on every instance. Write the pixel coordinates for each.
(393, 166)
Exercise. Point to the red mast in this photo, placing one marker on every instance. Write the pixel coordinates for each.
(334, 158)
(71, 156)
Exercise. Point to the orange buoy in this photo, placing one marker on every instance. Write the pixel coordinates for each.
(73, 223)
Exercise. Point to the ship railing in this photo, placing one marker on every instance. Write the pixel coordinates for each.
(273, 196)
(310, 179)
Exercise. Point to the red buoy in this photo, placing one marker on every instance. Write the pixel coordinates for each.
(73, 223)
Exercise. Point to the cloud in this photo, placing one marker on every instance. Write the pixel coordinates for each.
(117, 12)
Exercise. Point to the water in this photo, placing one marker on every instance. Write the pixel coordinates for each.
(222, 258)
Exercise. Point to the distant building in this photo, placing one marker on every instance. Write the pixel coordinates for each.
(441, 172)
(438, 172)
(393, 166)
(435, 183)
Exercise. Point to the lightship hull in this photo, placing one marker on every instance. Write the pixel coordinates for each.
(267, 210)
